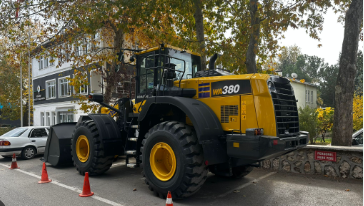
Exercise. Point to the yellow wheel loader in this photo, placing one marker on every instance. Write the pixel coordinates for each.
(183, 123)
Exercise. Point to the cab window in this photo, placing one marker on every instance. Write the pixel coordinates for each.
(146, 82)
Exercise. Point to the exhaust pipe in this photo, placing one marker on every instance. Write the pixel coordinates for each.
(212, 62)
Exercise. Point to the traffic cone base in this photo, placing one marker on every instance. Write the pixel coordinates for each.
(86, 195)
(14, 165)
(86, 192)
(44, 178)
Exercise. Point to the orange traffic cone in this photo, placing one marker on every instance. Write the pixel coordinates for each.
(14, 165)
(86, 192)
(169, 201)
(44, 178)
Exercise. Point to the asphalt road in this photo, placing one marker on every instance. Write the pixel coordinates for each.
(116, 187)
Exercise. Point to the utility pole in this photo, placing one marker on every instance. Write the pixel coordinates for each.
(29, 78)
(21, 94)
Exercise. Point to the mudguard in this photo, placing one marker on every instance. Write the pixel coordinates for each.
(109, 132)
(58, 146)
(207, 125)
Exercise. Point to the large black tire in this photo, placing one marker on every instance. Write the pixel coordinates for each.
(237, 172)
(191, 171)
(97, 163)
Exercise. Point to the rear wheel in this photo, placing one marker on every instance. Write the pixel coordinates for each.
(28, 153)
(172, 160)
(88, 150)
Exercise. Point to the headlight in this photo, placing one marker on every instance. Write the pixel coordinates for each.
(271, 87)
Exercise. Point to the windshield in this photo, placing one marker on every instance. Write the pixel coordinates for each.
(357, 132)
(15, 132)
(192, 63)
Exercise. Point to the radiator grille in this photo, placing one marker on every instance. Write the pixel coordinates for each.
(285, 108)
(228, 110)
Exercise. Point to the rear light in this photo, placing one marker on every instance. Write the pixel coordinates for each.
(5, 143)
(275, 142)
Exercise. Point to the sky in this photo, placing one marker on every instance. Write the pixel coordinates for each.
(331, 39)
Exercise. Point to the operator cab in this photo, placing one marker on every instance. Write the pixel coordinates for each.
(159, 67)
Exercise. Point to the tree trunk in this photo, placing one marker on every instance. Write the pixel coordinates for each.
(200, 32)
(344, 89)
(112, 76)
(254, 37)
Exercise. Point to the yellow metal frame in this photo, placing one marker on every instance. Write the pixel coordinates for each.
(82, 148)
(163, 161)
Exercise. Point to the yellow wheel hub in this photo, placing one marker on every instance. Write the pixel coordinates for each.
(82, 148)
(162, 161)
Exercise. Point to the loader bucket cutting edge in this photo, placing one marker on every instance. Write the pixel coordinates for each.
(58, 146)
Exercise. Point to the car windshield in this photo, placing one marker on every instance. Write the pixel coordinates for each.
(358, 132)
(15, 132)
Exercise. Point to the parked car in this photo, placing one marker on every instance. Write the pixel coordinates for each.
(358, 137)
(24, 141)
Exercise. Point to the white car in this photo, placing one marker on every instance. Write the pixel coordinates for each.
(24, 141)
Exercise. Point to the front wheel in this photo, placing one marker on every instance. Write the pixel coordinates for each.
(28, 153)
(88, 150)
(172, 160)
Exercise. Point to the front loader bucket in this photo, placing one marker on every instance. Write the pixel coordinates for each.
(58, 147)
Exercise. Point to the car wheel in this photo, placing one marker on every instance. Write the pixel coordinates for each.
(28, 153)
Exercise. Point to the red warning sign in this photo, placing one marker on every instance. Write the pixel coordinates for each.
(326, 156)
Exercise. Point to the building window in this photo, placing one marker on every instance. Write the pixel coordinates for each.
(311, 97)
(45, 62)
(84, 85)
(64, 88)
(305, 95)
(308, 96)
(51, 89)
(40, 63)
(48, 119)
(42, 118)
(51, 61)
(95, 82)
(65, 117)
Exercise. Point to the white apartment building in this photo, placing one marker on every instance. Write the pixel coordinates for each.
(53, 95)
(306, 94)
(53, 101)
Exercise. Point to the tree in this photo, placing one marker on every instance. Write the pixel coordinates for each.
(344, 89)
(325, 120)
(256, 28)
(327, 84)
(359, 74)
(308, 121)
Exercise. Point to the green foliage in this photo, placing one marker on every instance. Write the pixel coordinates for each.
(328, 75)
(325, 120)
(308, 121)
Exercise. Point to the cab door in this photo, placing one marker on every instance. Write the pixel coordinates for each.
(38, 137)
